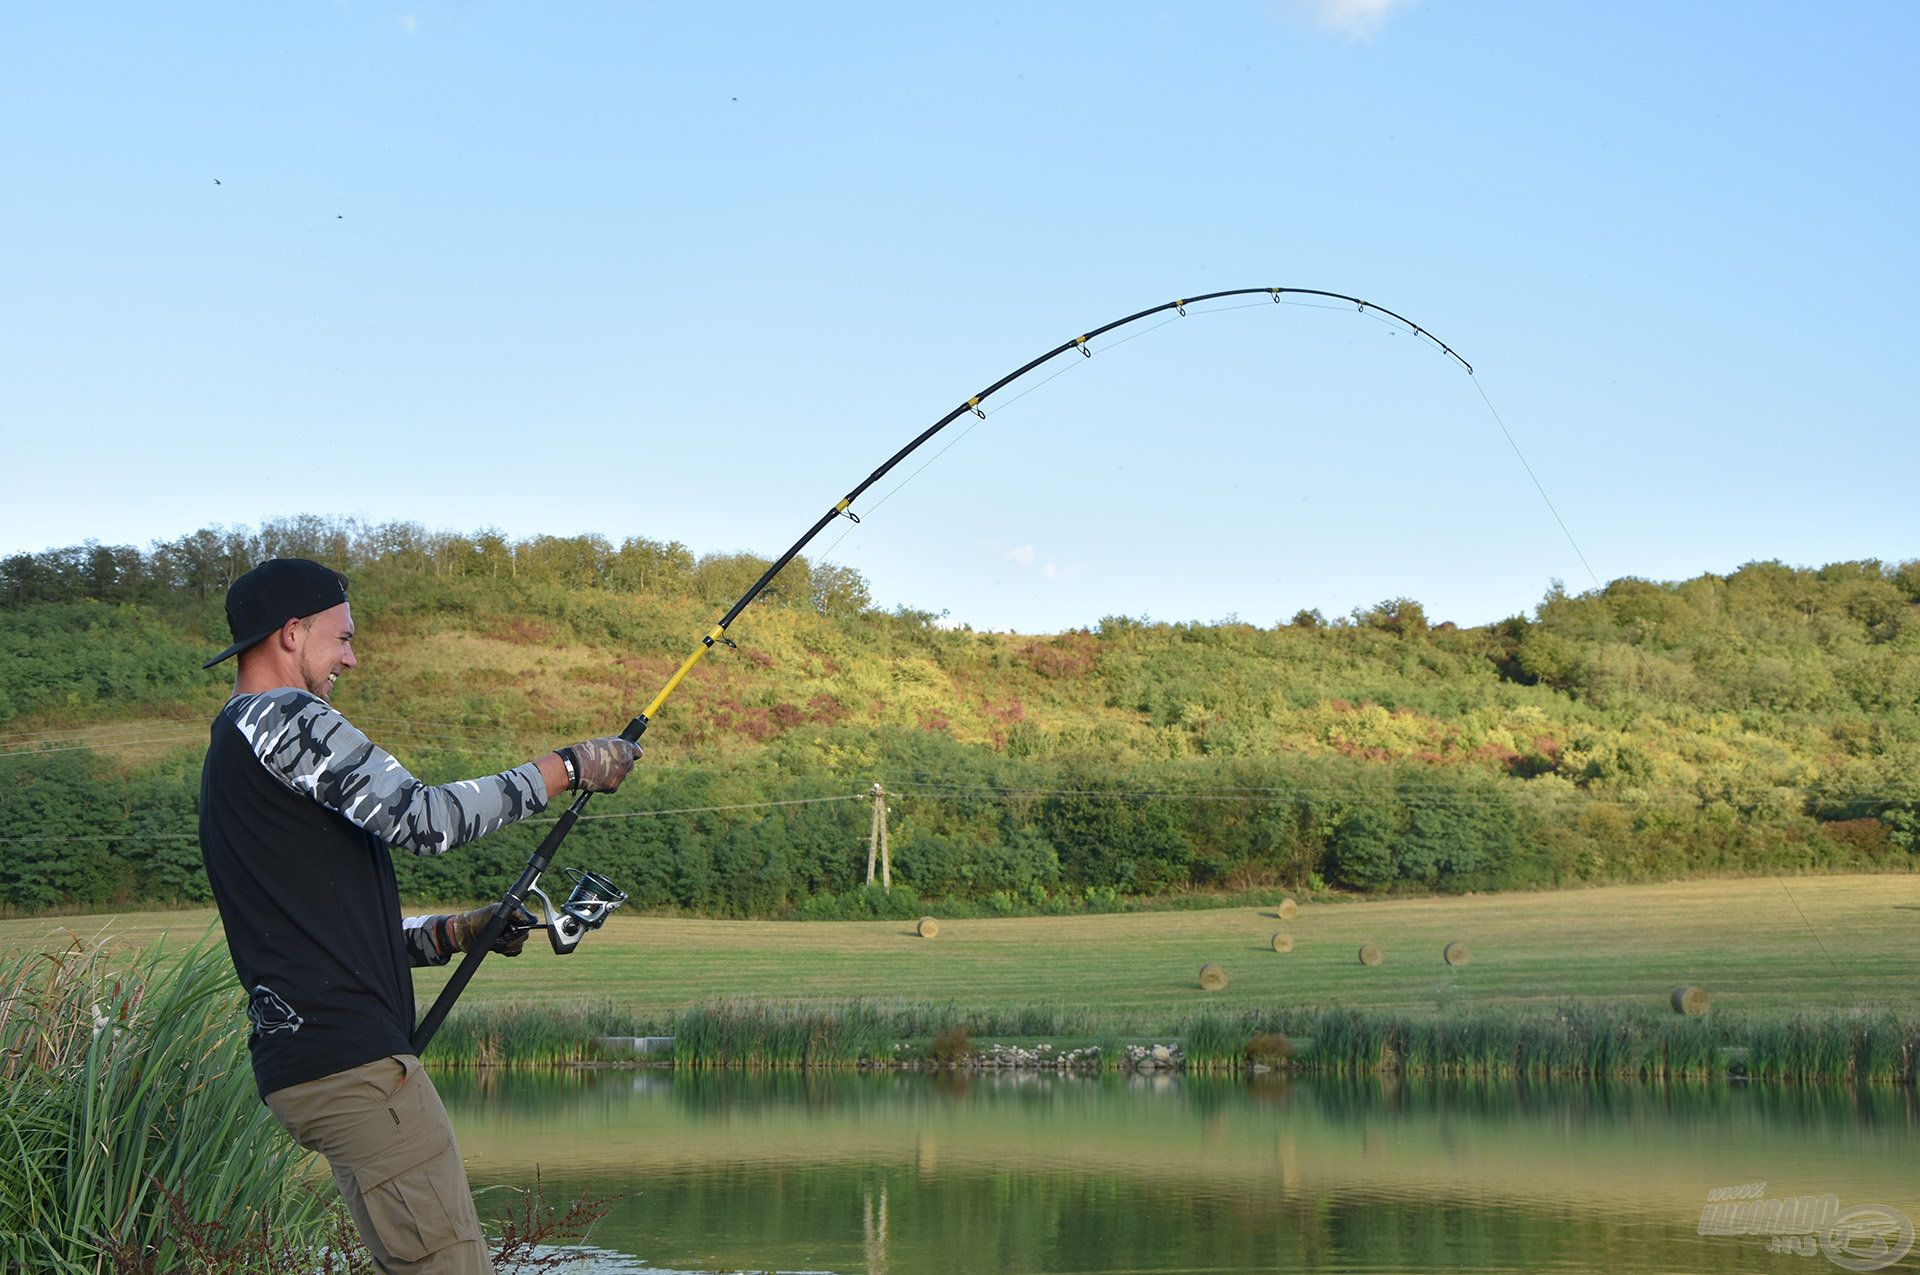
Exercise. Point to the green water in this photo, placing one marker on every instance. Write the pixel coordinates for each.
(909, 1173)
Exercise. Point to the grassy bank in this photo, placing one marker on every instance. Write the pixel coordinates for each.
(1572, 1041)
(134, 1140)
(1810, 978)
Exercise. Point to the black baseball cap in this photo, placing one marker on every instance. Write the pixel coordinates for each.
(278, 590)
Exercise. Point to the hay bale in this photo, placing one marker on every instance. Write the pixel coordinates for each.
(1456, 953)
(1370, 954)
(1691, 1001)
(1287, 910)
(1212, 977)
(928, 928)
(1283, 942)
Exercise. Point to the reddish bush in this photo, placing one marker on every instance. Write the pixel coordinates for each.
(1065, 657)
(524, 632)
(1866, 838)
(731, 715)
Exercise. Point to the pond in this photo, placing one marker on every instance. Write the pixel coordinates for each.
(1110, 1175)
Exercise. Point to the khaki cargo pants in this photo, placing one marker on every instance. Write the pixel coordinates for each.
(382, 1128)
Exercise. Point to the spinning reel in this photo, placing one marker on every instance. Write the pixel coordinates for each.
(593, 899)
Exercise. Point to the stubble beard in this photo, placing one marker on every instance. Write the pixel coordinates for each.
(315, 685)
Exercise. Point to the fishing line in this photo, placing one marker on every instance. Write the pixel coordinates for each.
(980, 414)
(1536, 484)
(1810, 930)
(980, 418)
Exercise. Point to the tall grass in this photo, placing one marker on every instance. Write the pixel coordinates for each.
(738, 1032)
(847, 1033)
(1573, 1040)
(536, 1034)
(783, 1034)
(126, 1083)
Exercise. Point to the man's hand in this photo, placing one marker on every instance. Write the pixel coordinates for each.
(599, 765)
(458, 932)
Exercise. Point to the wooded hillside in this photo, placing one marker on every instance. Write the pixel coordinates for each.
(1765, 720)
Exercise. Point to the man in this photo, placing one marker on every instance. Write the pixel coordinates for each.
(298, 810)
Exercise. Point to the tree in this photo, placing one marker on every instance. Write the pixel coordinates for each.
(1403, 616)
(650, 566)
(1362, 843)
(839, 591)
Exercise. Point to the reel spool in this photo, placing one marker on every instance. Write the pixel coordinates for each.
(593, 899)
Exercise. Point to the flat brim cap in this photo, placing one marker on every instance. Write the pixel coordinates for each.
(278, 590)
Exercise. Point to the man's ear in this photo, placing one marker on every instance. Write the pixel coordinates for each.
(289, 635)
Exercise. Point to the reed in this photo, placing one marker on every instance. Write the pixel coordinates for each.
(537, 1033)
(801, 1034)
(1574, 1040)
(130, 1129)
(1213, 1042)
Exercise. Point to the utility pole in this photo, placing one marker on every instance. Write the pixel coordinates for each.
(877, 841)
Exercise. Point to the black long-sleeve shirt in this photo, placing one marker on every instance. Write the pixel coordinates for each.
(297, 811)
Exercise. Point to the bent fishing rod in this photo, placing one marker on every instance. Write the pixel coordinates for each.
(594, 897)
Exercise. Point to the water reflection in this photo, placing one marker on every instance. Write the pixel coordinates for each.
(907, 1173)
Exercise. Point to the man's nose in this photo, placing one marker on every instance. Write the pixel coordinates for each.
(348, 660)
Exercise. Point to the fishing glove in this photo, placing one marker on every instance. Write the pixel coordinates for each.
(456, 933)
(599, 765)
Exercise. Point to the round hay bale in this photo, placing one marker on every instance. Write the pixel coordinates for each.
(1456, 953)
(1212, 977)
(1370, 954)
(1283, 942)
(1691, 1000)
(1287, 910)
(928, 928)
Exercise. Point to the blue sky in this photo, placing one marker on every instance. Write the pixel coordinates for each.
(690, 271)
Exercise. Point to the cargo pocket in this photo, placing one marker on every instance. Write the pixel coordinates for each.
(413, 1186)
(424, 1209)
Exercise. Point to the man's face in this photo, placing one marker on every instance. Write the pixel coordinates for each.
(326, 650)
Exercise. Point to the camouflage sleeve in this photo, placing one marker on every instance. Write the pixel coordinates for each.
(416, 932)
(306, 744)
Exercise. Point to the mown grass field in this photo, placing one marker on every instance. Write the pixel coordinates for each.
(1744, 940)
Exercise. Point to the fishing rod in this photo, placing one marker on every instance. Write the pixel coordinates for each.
(594, 897)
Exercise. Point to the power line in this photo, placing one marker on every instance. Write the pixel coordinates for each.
(139, 835)
(927, 791)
